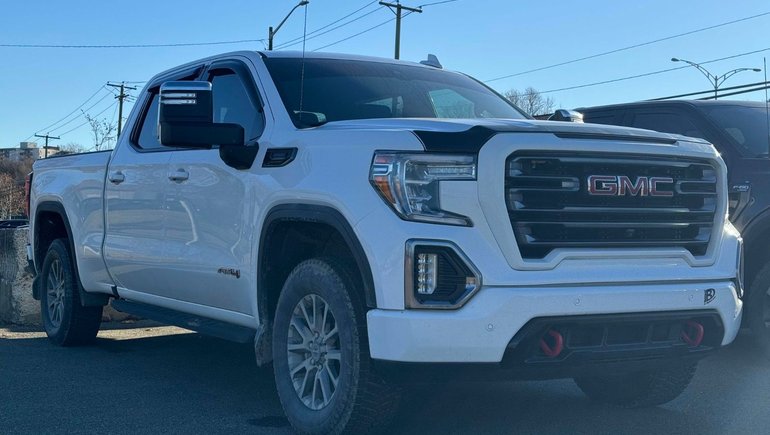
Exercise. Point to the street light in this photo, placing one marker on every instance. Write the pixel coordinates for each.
(715, 80)
(272, 32)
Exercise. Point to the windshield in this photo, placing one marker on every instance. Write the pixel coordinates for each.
(336, 90)
(747, 125)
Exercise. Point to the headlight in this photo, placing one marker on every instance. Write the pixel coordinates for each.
(409, 183)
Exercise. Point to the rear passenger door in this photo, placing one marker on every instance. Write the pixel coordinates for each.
(212, 205)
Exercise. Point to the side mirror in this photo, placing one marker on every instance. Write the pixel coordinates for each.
(566, 116)
(186, 118)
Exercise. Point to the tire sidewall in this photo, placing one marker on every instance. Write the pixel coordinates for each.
(320, 278)
(755, 309)
(58, 250)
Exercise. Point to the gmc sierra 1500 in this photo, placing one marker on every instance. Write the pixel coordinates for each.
(350, 214)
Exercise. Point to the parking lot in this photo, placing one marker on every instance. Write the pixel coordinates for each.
(144, 378)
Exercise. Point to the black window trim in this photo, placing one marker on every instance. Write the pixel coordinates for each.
(242, 71)
(152, 89)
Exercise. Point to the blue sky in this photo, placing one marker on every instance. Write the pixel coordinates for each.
(485, 38)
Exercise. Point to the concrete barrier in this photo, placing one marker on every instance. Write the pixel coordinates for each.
(16, 302)
(17, 306)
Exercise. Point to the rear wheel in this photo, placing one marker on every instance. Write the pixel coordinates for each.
(66, 321)
(321, 361)
(758, 309)
(639, 390)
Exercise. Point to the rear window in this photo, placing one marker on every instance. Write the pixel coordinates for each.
(335, 90)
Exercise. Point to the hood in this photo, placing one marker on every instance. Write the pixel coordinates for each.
(468, 135)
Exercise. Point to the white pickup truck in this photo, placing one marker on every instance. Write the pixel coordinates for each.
(361, 220)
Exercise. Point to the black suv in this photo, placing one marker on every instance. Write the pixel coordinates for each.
(740, 131)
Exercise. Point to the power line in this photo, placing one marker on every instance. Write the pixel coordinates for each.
(357, 34)
(285, 45)
(604, 82)
(179, 44)
(300, 38)
(82, 111)
(437, 3)
(365, 30)
(80, 125)
(68, 115)
(593, 56)
(710, 91)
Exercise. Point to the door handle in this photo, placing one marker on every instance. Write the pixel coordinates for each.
(179, 175)
(116, 177)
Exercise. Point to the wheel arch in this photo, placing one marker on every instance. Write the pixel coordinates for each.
(51, 223)
(286, 229)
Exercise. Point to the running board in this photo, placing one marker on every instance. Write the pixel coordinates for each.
(204, 325)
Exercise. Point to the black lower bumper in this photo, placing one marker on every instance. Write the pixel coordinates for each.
(586, 345)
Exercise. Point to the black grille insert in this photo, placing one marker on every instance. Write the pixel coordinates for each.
(549, 205)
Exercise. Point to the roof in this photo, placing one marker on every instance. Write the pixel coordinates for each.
(288, 54)
(674, 103)
(324, 55)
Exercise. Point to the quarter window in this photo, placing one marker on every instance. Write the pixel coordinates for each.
(148, 135)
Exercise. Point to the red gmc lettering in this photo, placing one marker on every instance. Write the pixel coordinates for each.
(621, 185)
(654, 191)
(602, 185)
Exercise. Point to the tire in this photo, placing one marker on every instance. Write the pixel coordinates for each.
(361, 402)
(639, 390)
(757, 310)
(66, 321)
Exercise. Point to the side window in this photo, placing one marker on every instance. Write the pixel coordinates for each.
(232, 103)
(667, 123)
(148, 135)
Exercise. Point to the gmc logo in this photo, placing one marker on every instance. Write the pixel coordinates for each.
(620, 185)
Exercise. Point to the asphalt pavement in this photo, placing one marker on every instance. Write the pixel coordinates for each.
(145, 378)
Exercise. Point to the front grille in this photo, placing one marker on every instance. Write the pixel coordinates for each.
(549, 205)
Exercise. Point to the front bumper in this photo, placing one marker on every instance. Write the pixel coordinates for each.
(482, 330)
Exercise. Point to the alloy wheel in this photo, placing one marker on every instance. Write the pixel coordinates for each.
(55, 293)
(314, 352)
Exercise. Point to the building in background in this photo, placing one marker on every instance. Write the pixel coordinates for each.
(26, 150)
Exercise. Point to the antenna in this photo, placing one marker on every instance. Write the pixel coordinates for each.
(302, 73)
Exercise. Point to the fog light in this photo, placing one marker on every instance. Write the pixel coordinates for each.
(438, 275)
(427, 273)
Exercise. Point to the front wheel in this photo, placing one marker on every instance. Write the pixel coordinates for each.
(639, 390)
(66, 321)
(757, 310)
(321, 361)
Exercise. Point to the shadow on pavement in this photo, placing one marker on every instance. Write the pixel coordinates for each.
(191, 383)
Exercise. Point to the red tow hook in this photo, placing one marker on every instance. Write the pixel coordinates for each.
(552, 350)
(693, 333)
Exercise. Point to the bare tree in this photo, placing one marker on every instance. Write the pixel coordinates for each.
(72, 148)
(531, 101)
(11, 196)
(102, 131)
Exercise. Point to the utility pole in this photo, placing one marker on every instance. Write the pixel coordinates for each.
(122, 96)
(47, 136)
(399, 7)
